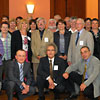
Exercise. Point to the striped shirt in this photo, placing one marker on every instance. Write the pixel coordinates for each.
(7, 46)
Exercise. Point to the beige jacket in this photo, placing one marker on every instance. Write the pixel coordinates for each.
(38, 46)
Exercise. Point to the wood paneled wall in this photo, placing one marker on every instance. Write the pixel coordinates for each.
(4, 8)
(68, 8)
(99, 11)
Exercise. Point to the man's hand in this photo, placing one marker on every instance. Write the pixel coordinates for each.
(38, 57)
(25, 90)
(63, 57)
(66, 75)
(82, 87)
(69, 63)
(51, 83)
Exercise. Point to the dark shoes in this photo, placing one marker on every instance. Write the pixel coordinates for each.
(73, 95)
(42, 98)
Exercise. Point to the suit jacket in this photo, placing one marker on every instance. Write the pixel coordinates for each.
(67, 36)
(38, 46)
(14, 73)
(93, 71)
(85, 39)
(44, 70)
(16, 44)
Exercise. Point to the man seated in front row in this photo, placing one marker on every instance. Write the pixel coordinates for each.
(50, 71)
(88, 77)
(19, 77)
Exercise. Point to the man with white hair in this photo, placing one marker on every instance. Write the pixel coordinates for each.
(79, 39)
(40, 38)
(52, 25)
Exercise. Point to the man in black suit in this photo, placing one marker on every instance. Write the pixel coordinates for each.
(19, 77)
(50, 72)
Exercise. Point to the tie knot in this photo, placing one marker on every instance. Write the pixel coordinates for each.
(78, 33)
(21, 66)
(50, 61)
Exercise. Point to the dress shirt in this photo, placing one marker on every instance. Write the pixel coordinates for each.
(87, 62)
(41, 33)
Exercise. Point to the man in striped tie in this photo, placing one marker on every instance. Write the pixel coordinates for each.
(19, 77)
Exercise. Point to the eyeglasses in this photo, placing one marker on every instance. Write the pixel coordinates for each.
(50, 50)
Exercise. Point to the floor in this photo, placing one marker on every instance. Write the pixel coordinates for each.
(49, 96)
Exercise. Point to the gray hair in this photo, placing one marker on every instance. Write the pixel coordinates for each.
(41, 18)
(82, 20)
(52, 20)
(54, 45)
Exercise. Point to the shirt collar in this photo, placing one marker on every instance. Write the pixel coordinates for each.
(51, 59)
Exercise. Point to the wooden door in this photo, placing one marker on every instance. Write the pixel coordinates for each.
(4, 8)
(68, 8)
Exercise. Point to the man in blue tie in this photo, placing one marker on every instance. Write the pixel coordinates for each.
(19, 77)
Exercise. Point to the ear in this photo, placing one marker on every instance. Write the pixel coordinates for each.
(15, 57)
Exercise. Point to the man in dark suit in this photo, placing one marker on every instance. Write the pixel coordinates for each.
(19, 77)
(51, 78)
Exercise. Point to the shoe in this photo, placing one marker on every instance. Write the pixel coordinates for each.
(56, 97)
(73, 95)
(41, 98)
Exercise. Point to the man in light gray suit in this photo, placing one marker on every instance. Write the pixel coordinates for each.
(79, 39)
(87, 78)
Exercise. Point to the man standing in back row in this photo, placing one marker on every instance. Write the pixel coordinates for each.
(79, 39)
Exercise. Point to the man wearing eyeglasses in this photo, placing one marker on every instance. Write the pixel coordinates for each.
(19, 77)
(88, 76)
(50, 77)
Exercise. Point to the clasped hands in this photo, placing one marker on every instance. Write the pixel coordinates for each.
(26, 88)
(51, 83)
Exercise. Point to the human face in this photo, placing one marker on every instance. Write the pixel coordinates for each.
(79, 25)
(4, 28)
(85, 53)
(88, 23)
(4, 19)
(52, 23)
(33, 26)
(94, 25)
(12, 25)
(20, 56)
(73, 24)
(67, 20)
(61, 26)
(51, 52)
(41, 24)
(24, 25)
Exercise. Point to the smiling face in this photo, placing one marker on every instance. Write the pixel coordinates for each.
(4, 28)
(85, 53)
(79, 24)
(50, 52)
(20, 56)
(41, 24)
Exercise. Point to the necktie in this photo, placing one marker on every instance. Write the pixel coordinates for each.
(21, 75)
(77, 38)
(85, 68)
(51, 69)
(25, 40)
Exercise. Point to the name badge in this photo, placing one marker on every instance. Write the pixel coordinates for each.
(55, 67)
(81, 42)
(45, 39)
